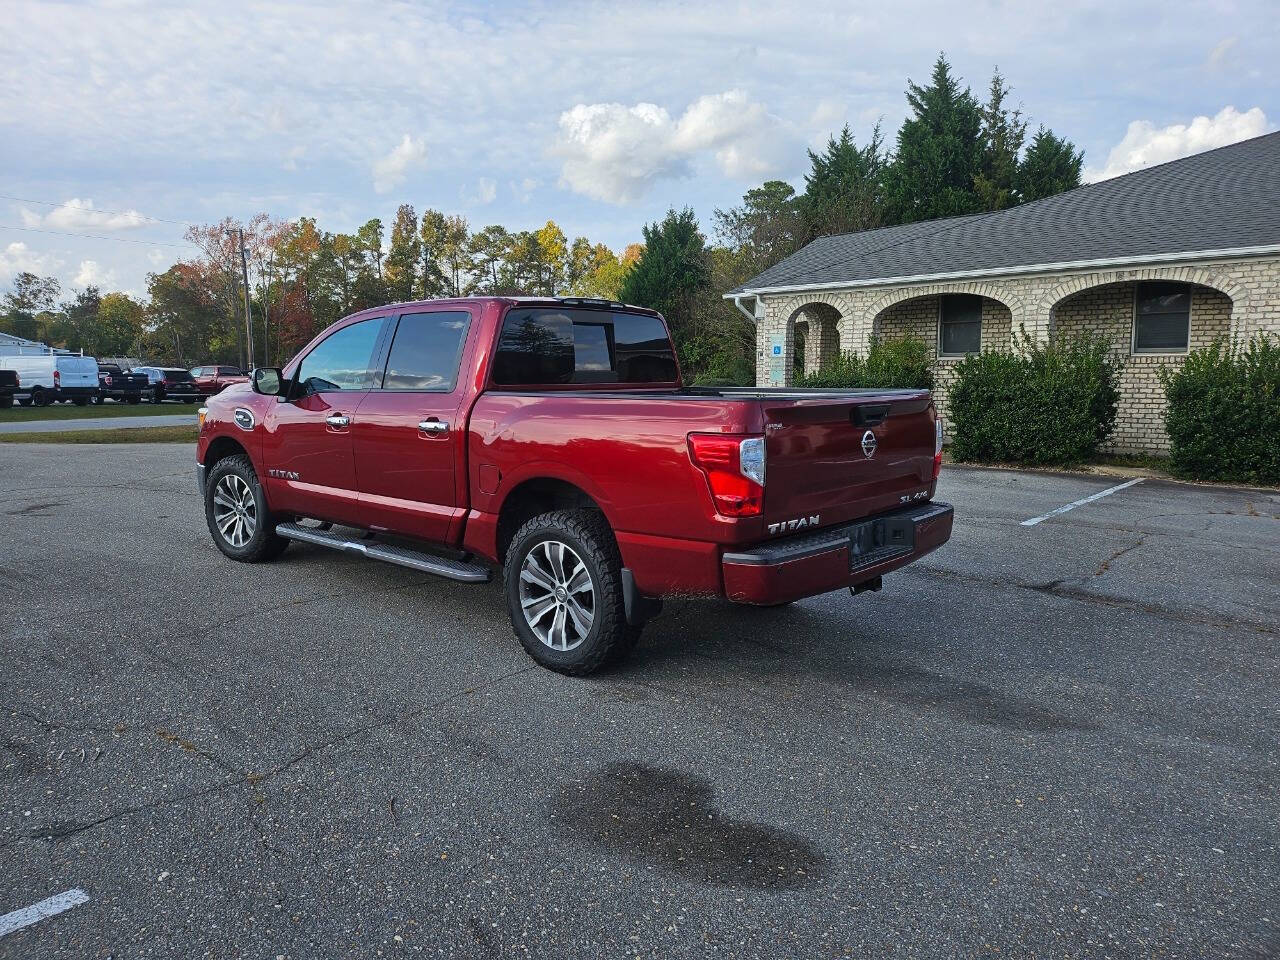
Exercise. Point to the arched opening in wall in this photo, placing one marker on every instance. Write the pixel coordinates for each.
(952, 325)
(815, 335)
(1144, 317)
(801, 344)
(1150, 324)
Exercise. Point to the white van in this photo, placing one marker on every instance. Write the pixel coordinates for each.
(53, 376)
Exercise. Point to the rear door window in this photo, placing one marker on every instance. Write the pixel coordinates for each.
(427, 351)
(548, 345)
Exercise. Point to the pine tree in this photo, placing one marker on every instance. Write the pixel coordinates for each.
(403, 256)
(1003, 133)
(939, 151)
(1051, 165)
(844, 189)
(766, 228)
(671, 271)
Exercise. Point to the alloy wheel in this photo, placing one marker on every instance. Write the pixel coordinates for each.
(235, 512)
(557, 595)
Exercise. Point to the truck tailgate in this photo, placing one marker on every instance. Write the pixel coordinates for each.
(837, 457)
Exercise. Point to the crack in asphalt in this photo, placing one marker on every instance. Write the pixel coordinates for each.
(1106, 564)
(1059, 588)
(255, 778)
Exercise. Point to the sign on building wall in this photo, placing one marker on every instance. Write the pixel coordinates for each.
(777, 362)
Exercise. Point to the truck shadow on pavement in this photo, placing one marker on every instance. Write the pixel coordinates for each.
(668, 820)
(839, 658)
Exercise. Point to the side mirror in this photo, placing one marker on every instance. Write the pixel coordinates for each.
(267, 381)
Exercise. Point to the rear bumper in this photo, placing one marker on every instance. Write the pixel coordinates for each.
(837, 557)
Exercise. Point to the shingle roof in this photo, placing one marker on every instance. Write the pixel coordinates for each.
(1228, 198)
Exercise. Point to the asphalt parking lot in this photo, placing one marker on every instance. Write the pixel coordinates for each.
(1047, 740)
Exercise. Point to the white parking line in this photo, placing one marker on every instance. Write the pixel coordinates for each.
(1081, 502)
(42, 910)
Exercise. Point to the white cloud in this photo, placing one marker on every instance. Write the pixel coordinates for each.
(613, 152)
(393, 169)
(92, 274)
(486, 191)
(523, 190)
(1145, 145)
(17, 258)
(77, 214)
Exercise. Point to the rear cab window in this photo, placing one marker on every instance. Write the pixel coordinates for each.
(542, 345)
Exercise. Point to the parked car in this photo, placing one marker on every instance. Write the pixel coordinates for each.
(169, 383)
(9, 384)
(212, 380)
(114, 383)
(553, 440)
(49, 377)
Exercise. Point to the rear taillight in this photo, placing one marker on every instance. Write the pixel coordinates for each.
(107, 379)
(734, 468)
(937, 447)
(57, 378)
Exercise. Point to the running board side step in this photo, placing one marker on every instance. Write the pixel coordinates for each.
(418, 560)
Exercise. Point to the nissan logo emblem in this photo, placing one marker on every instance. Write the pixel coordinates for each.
(868, 443)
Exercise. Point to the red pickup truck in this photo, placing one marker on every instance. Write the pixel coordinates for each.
(211, 380)
(552, 440)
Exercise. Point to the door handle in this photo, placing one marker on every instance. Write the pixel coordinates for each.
(434, 427)
(338, 421)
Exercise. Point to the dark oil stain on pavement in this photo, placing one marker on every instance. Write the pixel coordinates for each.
(668, 819)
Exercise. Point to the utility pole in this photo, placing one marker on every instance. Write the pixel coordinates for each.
(248, 315)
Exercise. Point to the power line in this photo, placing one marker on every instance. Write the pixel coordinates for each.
(92, 236)
(119, 213)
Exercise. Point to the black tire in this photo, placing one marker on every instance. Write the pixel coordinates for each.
(133, 400)
(80, 401)
(157, 395)
(40, 397)
(587, 534)
(264, 544)
(24, 402)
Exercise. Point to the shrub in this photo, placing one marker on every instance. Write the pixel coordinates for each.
(899, 363)
(1224, 412)
(1049, 404)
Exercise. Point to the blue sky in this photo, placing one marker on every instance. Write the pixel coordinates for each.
(596, 115)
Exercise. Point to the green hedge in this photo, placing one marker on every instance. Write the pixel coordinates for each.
(1224, 412)
(1047, 404)
(897, 363)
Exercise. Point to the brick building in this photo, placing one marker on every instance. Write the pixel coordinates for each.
(1160, 261)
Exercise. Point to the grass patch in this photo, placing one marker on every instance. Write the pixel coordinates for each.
(179, 434)
(69, 411)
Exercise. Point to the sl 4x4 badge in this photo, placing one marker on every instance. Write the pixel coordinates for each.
(800, 523)
(245, 418)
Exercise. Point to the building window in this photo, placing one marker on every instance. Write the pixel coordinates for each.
(1162, 318)
(960, 325)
